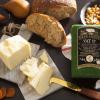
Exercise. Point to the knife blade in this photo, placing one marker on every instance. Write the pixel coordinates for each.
(84, 91)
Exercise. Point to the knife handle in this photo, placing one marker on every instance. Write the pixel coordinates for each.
(90, 93)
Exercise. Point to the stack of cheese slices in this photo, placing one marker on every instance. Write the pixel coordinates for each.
(16, 50)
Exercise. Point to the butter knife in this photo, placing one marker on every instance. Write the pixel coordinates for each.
(87, 92)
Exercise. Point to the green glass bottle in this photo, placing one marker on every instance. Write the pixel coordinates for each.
(86, 51)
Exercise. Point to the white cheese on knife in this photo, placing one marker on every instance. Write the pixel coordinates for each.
(14, 50)
(41, 82)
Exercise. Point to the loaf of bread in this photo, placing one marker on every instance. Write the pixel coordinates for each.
(19, 8)
(60, 9)
(48, 28)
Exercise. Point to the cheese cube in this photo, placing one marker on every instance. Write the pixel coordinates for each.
(41, 82)
(44, 57)
(14, 50)
(30, 67)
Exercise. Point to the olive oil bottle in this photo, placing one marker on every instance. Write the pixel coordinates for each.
(85, 51)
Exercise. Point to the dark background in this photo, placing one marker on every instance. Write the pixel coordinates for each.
(63, 64)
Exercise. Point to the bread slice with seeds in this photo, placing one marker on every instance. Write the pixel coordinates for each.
(48, 28)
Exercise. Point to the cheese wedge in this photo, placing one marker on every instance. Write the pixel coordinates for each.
(30, 67)
(14, 50)
(41, 82)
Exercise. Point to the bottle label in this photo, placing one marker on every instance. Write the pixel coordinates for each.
(88, 47)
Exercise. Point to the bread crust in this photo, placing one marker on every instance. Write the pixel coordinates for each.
(60, 9)
(48, 28)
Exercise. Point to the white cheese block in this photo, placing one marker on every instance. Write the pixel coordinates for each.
(44, 57)
(41, 82)
(30, 67)
(14, 50)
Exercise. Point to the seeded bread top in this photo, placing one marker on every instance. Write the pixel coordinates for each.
(59, 9)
